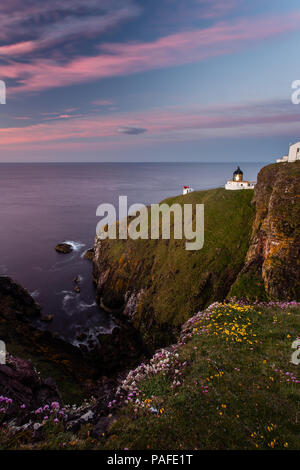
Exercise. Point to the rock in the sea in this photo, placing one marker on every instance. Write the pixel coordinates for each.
(89, 254)
(77, 289)
(81, 336)
(64, 248)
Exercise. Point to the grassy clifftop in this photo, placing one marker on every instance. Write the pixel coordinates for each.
(159, 283)
(227, 384)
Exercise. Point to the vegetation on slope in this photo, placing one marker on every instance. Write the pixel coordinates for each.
(232, 386)
(228, 384)
(176, 282)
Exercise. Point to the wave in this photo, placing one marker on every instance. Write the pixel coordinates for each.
(72, 304)
(91, 339)
(83, 306)
(77, 246)
(35, 294)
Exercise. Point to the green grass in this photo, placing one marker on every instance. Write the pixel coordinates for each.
(248, 405)
(178, 282)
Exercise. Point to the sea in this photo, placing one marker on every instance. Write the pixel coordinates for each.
(42, 204)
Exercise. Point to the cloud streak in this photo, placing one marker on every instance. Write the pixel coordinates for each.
(117, 59)
(265, 118)
(53, 23)
(131, 130)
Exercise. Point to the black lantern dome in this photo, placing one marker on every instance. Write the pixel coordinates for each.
(238, 175)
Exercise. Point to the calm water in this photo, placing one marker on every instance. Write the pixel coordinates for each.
(44, 204)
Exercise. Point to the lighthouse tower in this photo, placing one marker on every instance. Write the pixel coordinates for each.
(238, 182)
(238, 175)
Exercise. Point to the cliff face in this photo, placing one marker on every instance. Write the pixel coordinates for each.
(15, 300)
(74, 369)
(157, 284)
(251, 250)
(272, 267)
(52, 356)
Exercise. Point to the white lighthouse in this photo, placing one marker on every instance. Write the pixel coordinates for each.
(238, 182)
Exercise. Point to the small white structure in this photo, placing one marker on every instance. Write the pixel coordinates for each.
(187, 190)
(293, 156)
(238, 182)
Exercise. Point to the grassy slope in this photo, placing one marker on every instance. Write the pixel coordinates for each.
(245, 395)
(250, 404)
(180, 282)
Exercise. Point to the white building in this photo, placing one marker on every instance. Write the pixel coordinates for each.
(238, 182)
(187, 190)
(293, 156)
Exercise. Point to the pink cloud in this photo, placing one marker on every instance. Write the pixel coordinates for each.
(18, 48)
(277, 118)
(175, 49)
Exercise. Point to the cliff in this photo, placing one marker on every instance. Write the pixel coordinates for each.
(272, 266)
(251, 250)
(157, 284)
(78, 372)
(51, 356)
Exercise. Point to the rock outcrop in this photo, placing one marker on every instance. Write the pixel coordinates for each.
(63, 361)
(89, 254)
(21, 383)
(272, 267)
(17, 312)
(64, 248)
(15, 300)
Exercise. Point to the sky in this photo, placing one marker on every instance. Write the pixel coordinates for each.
(148, 80)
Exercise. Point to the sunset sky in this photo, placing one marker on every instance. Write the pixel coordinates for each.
(152, 80)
